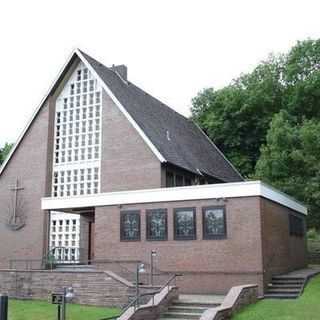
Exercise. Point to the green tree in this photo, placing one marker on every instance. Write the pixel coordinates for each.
(301, 80)
(290, 161)
(5, 151)
(237, 117)
(267, 122)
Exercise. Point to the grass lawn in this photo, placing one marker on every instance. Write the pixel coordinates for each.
(42, 310)
(307, 307)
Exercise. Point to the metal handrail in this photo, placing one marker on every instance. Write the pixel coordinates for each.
(174, 277)
(135, 302)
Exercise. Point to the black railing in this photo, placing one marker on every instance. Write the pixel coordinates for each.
(57, 255)
(136, 302)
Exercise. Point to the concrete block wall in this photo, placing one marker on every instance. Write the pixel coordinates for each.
(91, 288)
(237, 298)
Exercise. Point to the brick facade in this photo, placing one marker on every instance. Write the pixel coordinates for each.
(127, 162)
(91, 288)
(247, 254)
(28, 164)
(257, 245)
(281, 252)
(208, 265)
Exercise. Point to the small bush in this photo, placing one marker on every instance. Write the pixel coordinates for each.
(313, 234)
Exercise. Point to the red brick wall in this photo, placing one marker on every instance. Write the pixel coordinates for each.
(127, 162)
(28, 164)
(281, 252)
(210, 265)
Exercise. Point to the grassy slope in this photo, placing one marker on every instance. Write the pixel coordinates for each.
(42, 310)
(307, 307)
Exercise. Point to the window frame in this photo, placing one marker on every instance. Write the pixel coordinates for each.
(204, 233)
(172, 176)
(123, 213)
(175, 212)
(149, 213)
(296, 230)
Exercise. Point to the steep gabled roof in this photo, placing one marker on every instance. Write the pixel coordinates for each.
(177, 138)
(172, 137)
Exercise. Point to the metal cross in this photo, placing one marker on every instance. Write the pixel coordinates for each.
(15, 189)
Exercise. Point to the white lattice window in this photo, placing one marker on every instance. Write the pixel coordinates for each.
(65, 241)
(77, 148)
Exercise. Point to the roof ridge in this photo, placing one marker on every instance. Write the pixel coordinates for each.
(103, 65)
(191, 147)
(137, 87)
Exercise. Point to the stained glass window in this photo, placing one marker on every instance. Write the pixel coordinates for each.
(157, 224)
(214, 222)
(130, 225)
(185, 223)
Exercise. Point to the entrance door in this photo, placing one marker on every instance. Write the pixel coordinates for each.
(91, 241)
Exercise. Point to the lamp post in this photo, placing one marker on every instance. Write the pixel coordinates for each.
(3, 307)
(61, 299)
(140, 269)
(153, 255)
(68, 296)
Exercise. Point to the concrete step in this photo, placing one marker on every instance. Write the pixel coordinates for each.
(165, 318)
(280, 296)
(282, 290)
(74, 266)
(300, 282)
(187, 309)
(286, 278)
(284, 286)
(195, 304)
(180, 315)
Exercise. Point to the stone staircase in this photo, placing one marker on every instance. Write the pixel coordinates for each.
(75, 268)
(285, 287)
(190, 307)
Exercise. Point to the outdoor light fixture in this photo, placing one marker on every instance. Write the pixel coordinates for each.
(141, 268)
(61, 299)
(153, 255)
(69, 294)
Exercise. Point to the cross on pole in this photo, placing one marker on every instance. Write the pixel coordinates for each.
(15, 189)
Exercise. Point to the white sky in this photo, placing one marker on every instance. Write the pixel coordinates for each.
(172, 48)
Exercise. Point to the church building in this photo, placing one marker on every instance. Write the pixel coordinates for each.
(106, 172)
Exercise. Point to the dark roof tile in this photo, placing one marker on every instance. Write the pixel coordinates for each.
(187, 146)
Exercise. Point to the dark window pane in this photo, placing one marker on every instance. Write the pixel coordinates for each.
(157, 224)
(296, 226)
(185, 223)
(169, 180)
(130, 225)
(214, 222)
(187, 181)
(179, 180)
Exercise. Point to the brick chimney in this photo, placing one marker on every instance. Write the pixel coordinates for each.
(122, 71)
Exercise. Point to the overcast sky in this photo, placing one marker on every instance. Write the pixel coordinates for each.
(173, 49)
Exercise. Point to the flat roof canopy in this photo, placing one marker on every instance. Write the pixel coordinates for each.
(209, 191)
